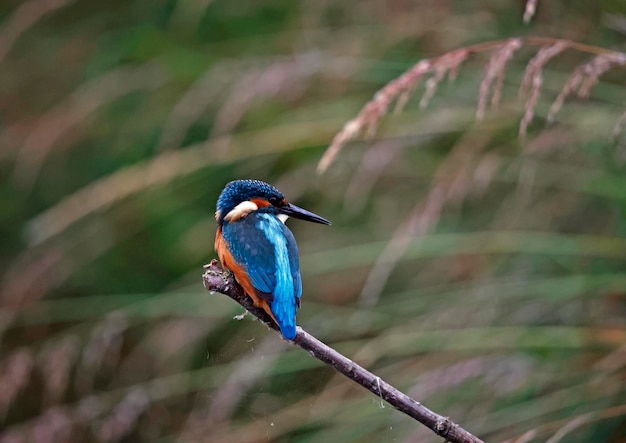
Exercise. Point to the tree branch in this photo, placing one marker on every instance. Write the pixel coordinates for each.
(215, 279)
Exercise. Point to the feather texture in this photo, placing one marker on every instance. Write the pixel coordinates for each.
(265, 250)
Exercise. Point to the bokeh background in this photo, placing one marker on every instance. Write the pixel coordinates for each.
(482, 275)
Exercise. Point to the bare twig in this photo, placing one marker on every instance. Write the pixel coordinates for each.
(217, 280)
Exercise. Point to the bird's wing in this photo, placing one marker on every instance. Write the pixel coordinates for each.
(262, 245)
(294, 263)
(267, 250)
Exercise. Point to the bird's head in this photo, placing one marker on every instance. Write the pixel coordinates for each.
(241, 197)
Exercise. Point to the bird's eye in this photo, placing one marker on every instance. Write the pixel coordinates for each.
(274, 201)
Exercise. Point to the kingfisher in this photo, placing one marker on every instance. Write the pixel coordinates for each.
(253, 242)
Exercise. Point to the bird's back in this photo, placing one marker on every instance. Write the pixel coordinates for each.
(266, 251)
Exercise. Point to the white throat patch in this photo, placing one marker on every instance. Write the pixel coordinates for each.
(241, 210)
(282, 217)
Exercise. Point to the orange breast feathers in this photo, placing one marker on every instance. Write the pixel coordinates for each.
(240, 273)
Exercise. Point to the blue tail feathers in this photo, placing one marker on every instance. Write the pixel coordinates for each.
(285, 313)
(288, 331)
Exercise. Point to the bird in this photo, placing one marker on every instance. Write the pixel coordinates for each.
(254, 243)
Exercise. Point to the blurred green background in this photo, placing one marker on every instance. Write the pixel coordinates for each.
(483, 276)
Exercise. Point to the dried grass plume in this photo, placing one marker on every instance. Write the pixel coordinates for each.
(580, 83)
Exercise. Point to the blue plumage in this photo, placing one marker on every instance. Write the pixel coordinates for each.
(255, 244)
(239, 191)
(267, 250)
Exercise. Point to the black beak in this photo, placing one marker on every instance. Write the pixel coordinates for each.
(297, 212)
